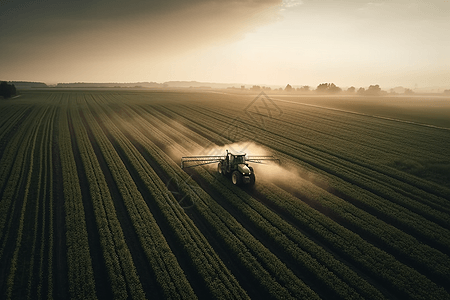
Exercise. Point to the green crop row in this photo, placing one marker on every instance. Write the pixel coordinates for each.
(428, 257)
(354, 224)
(193, 117)
(357, 171)
(10, 116)
(12, 148)
(12, 162)
(168, 273)
(7, 113)
(80, 273)
(373, 260)
(329, 125)
(382, 136)
(117, 257)
(40, 196)
(398, 186)
(217, 278)
(424, 255)
(370, 144)
(285, 235)
(28, 180)
(264, 266)
(15, 161)
(49, 191)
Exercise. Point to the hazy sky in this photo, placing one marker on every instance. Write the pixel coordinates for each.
(305, 42)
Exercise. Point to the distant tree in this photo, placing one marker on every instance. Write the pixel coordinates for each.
(303, 89)
(322, 88)
(409, 91)
(373, 90)
(334, 89)
(7, 90)
(288, 88)
(351, 90)
(330, 88)
(13, 89)
(256, 88)
(361, 91)
(447, 92)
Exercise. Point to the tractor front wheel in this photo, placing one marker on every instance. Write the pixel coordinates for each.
(219, 169)
(252, 179)
(236, 178)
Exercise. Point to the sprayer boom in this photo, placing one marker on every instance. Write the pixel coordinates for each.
(261, 159)
(199, 160)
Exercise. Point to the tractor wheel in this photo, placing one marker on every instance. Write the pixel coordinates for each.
(252, 179)
(236, 178)
(219, 168)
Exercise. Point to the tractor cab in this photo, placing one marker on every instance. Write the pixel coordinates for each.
(235, 164)
(235, 159)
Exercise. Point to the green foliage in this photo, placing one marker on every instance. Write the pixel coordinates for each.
(7, 90)
(81, 274)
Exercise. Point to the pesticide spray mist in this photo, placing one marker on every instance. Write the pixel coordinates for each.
(285, 174)
(288, 175)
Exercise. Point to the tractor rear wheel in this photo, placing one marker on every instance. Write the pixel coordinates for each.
(236, 178)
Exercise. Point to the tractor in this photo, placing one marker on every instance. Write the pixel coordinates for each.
(234, 165)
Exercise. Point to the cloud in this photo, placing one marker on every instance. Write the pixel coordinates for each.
(59, 32)
(75, 15)
(291, 3)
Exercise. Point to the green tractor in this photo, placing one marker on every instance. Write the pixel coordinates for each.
(235, 165)
(231, 165)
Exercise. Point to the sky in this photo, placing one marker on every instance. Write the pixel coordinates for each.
(265, 42)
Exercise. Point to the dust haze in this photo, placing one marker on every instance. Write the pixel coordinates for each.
(286, 174)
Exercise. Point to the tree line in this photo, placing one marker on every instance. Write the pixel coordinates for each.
(331, 88)
(7, 90)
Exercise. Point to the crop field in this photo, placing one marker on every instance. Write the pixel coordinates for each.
(94, 203)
